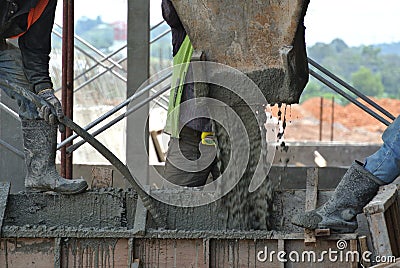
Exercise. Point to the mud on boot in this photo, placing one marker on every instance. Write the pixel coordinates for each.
(40, 143)
(357, 187)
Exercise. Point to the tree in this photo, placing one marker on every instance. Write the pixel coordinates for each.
(367, 82)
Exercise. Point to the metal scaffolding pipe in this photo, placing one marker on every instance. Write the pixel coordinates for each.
(97, 62)
(94, 49)
(99, 75)
(117, 108)
(9, 111)
(72, 148)
(12, 149)
(67, 80)
(160, 36)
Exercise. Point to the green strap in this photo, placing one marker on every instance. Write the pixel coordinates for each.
(181, 65)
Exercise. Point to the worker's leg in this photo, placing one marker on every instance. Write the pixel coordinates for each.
(385, 163)
(177, 170)
(357, 187)
(39, 137)
(11, 69)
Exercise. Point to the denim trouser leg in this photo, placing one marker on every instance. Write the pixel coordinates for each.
(11, 69)
(385, 163)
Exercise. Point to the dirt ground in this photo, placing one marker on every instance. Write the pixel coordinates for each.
(350, 123)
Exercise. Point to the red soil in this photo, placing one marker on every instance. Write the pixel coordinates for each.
(350, 123)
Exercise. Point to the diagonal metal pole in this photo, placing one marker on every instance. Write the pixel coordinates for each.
(99, 75)
(9, 111)
(94, 49)
(12, 149)
(349, 98)
(72, 148)
(100, 63)
(350, 88)
(117, 108)
(94, 59)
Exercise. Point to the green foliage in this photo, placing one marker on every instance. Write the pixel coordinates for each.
(96, 32)
(366, 68)
(368, 83)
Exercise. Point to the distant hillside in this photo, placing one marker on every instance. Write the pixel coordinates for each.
(374, 70)
(392, 48)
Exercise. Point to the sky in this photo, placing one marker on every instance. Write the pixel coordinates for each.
(356, 22)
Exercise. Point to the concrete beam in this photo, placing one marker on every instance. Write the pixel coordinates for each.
(138, 72)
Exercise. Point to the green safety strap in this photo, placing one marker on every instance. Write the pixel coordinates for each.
(181, 65)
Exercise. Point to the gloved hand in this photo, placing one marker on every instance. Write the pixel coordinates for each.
(46, 113)
(208, 138)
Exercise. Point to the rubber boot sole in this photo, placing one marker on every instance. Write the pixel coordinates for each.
(46, 189)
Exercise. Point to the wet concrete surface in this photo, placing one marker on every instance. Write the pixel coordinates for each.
(97, 209)
(112, 212)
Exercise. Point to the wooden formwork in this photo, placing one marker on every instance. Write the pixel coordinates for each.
(174, 250)
(383, 215)
(138, 244)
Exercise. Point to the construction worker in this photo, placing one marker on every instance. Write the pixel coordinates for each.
(197, 132)
(357, 187)
(27, 66)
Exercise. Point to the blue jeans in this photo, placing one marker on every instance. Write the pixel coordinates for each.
(11, 69)
(385, 163)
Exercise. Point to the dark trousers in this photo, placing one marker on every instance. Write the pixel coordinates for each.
(190, 163)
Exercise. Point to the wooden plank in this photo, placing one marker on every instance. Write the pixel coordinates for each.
(391, 224)
(383, 220)
(157, 146)
(353, 248)
(98, 252)
(57, 252)
(206, 252)
(396, 264)
(102, 177)
(281, 248)
(311, 201)
(131, 251)
(383, 200)
(322, 232)
(139, 226)
(380, 235)
(170, 252)
(364, 248)
(395, 211)
(31, 252)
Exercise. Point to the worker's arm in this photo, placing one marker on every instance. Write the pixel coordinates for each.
(170, 15)
(35, 47)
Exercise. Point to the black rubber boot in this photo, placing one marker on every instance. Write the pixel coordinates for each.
(355, 190)
(40, 142)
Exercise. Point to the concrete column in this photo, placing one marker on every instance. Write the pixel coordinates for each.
(138, 72)
(12, 166)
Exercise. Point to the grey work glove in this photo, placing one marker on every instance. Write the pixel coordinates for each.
(46, 113)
